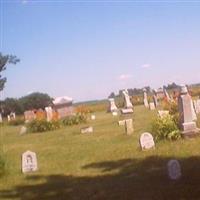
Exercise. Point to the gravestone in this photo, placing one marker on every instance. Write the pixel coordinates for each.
(49, 113)
(29, 115)
(114, 113)
(112, 106)
(1, 120)
(29, 162)
(187, 124)
(121, 123)
(127, 100)
(23, 130)
(8, 117)
(197, 110)
(93, 117)
(198, 105)
(129, 126)
(166, 95)
(163, 113)
(194, 116)
(88, 129)
(151, 106)
(147, 141)
(174, 169)
(146, 104)
(127, 111)
(155, 100)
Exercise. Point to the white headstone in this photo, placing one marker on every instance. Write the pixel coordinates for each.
(129, 126)
(128, 103)
(194, 116)
(29, 162)
(93, 117)
(151, 106)
(174, 169)
(147, 141)
(87, 129)
(114, 113)
(112, 106)
(23, 130)
(8, 116)
(49, 113)
(1, 120)
(146, 104)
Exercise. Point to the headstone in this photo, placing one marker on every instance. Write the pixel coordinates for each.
(114, 113)
(129, 126)
(194, 116)
(187, 124)
(198, 105)
(49, 113)
(88, 129)
(174, 169)
(127, 100)
(163, 113)
(146, 104)
(151, 106)
(8, 117)
(127, 111)
(23, 130)
(29, 115)
(112, 106)
(93, 117)
(147, 141)
(155, 100)
(1, 120)
(166, 95)
(12, 116)
(29, 162)
(121, 122)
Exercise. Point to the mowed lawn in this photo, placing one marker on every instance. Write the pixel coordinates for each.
(106, 164)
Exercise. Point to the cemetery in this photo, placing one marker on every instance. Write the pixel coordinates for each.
(105, 156)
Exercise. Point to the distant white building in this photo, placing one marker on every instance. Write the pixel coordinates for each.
(64, 106)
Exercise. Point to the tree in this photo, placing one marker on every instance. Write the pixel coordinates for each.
(112, 95)
(4, 60)
(35, 100)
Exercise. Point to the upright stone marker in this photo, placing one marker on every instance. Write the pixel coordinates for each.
(112, 106)
(194, 116)
(1, 120)
(187, 124)
(29, 162)
(129, 126)
(93, 117)
(128, 103)
(147, 141)
(151, 106)
(49, 113)
(155, 100)
(146, 104)
(174, 169)
(23, 130)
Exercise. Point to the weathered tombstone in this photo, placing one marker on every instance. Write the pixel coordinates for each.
(147, 141)
(49, 113)
(29, 162)
(174, 169)
(198, 105)
(127, 111)
(155, 100)
(128, 103)
(163, 113)
(88, 129)
(166, 95)
(29, 115)
(151, 106)
(129, 126)
(112, 106)
(93, 117)
(187, 124)
(114, 113)
(121, 122)
(1, 120)
(23, 130)
(146, 104)
(8, 117)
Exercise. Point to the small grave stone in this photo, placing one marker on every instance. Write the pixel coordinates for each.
(1, 120)
(49, 113)
(174, 169)
(127, 100)
(23, 130)
(93, 117)
(129, 126)
(114, 113)
(151, 106)
(29, 162)
(88, 129)
(163, 113)
(8, 117)
(147, 141)
(112, 106)
(146, 104)
(127, 111)
(121, 123)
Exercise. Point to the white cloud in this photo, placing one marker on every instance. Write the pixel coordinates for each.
(24, 1)
(146, 66)
(123, 77)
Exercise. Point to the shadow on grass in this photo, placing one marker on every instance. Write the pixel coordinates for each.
(121, 179)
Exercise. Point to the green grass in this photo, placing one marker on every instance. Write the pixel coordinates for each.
(107, 164)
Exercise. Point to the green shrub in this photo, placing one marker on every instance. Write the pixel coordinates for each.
(16, 122)
(165, 128)
(76, 119)
(43, 125)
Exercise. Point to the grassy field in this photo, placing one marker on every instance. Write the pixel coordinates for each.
(107, 164)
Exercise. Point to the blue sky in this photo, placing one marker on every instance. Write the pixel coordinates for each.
(87, 49)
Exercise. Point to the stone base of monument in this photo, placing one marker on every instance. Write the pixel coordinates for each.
(126, 110)
(190, 130)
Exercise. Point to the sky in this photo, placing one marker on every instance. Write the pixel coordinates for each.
(88, 49)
